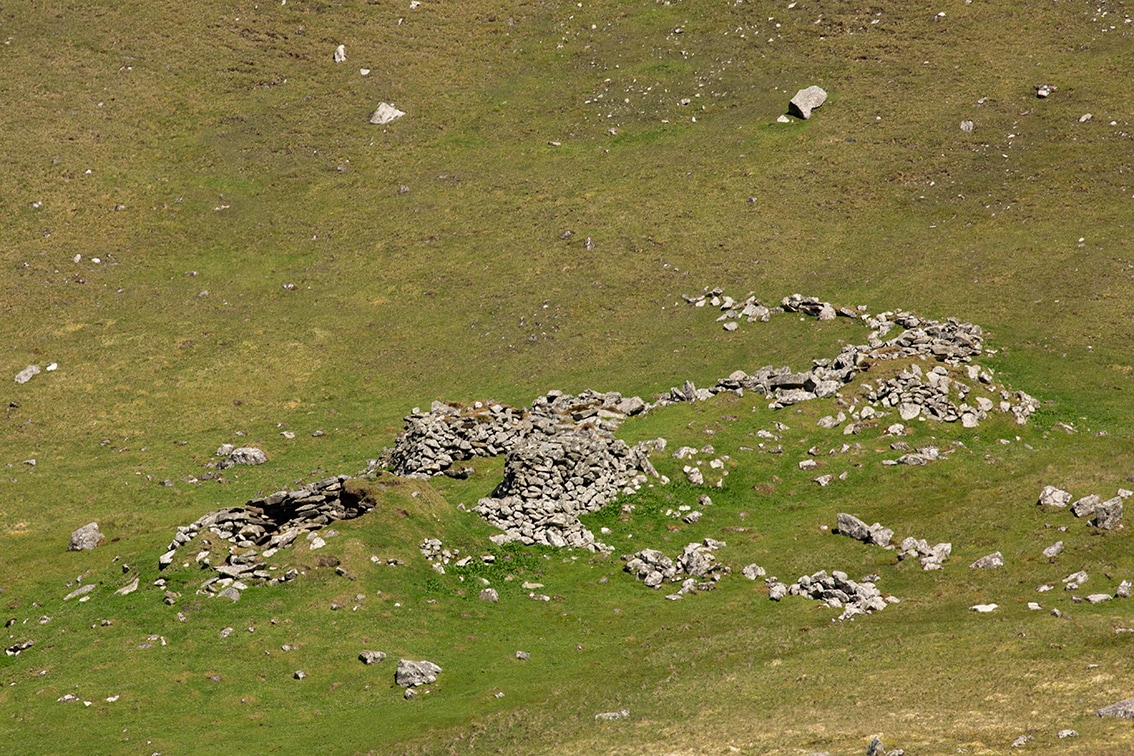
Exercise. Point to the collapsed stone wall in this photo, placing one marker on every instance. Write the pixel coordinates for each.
(261, 527)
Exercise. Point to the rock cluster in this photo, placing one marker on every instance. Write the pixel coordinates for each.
(696, 568)
(931, 557)
(263, 526)
(916, 393)
(839, 591)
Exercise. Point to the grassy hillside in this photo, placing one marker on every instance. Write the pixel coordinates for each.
(269, 261)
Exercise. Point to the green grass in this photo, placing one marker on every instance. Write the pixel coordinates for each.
(222, 140)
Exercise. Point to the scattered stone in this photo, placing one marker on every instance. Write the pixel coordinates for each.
(696, 567)
(1098, 598)
(1085, 117)
(983, 608)
(610, 716)
(17, 648)
(1075, 579)
(80, 591)
(371, 657)
(967, 127)
(1124, 589)
(86, 538)
(1021, 741)
(414, 673)
(25, 375)
(299, 674)
(807, 100)
(1067, 734)
(990, 562)
(129, 588)
(1053, 550)
(1043, 90)
(385, 114)
(931, 557)
(490, 595)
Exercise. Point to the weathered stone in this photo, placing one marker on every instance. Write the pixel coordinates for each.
(414, 673)
(1053, 550)
(1053, 496)
(340, 54)
(490, 595)
(807, 100)
(80, 591)
(385, 114)
(1108, 514)
(86, 538)
(849, 525)
(27, 373)
(989, 562)
(371, 657)
(1121, 709)
(1085, 507)
(247, 455)
(753, 571)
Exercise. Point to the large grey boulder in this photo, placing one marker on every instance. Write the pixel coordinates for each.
(1121, 709)
(990, 562)
(410, 674)
(245, 455)
(1053, 496)
(385, 114)
(1108, 514)
(807, 100)
(849, 525)
(86, 538)
(1085, 507)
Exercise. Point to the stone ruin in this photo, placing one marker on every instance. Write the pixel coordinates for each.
(260, 528)
(561, 460)
(950, 342)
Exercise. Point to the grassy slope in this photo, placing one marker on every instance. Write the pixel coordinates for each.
(462, 288)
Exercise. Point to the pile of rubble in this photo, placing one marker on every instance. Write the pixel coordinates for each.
(836, 590)
(916, 393)
(557, 473)
(262, 526)
(696, 568)
(432, 441)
